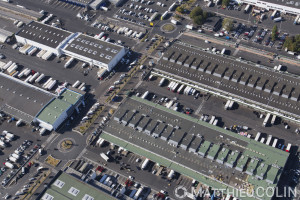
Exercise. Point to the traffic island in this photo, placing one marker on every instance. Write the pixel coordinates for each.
(52, 161)
(168, 28)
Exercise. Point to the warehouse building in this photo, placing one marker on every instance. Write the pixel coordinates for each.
(5, 35)
(66, 186)
(284, 6)
(248, 161)
(20, 99)
(94, 51)
(225, 76)
(43, 36)
(52, 115)
(82, 47)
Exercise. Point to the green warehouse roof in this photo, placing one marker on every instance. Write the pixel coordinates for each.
(272, 174)
(222, 154)
(67, 187)
(70, 96)
(52, 111)
(213, 151)
(232, 157)
(204, 147)
(252, 166)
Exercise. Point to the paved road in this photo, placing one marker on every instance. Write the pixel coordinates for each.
(242, 47)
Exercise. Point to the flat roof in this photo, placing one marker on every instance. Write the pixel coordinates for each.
(44, 34)
(288, 3)
(183, 161)
(70, 96)
(231, 86)
(21, 99)
(51, 112)
(93, 48)
(66, 183)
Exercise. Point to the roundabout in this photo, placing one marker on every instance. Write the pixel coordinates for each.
(168, 28)
(66, 145)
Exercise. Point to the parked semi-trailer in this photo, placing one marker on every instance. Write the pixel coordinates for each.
(47, 82)
(41, 53)
(269, 140)
(138, 193)
(39, 78)
(13, 159)
(32, 51)
(35, 76)
(273, 119)
(145, 163)
(27, 79)
(274, 143)
(81, 86)
(171, 174)
(161, 82)
(278, 19)
(69, 62)
(273, 14)
(145, 95)
(247, 8)
(27, 72)
(257, 136)
(9, 165)
(76, 84)
(179, 91)
(105, 157)
(266, 119)
(7, 65)
(51, 85)
(47, 55)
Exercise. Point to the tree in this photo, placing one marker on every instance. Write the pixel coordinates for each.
(227, 24)
(274, 33)
(205, 15)
(179, 9)
(196, 12)
(225, 2)
(198, 20)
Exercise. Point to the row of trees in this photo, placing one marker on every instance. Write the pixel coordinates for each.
(292, 43)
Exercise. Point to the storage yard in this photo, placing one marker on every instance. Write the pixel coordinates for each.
(173, 133)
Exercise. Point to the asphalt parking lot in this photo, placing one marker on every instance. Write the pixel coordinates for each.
(239, 53)
(21, 133)
(286, 25)
(140, 12)
(127, 166)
